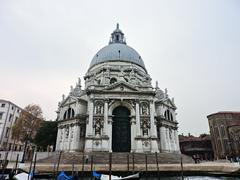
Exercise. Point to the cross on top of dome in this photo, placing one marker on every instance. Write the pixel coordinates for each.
(117, 36)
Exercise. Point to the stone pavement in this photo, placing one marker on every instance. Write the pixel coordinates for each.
(206, 167)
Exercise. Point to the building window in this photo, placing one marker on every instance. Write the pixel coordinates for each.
(7, 132)
(10, 117)
(69, 114)
(168, 115)
(3, 105)
(16, 118)
(12, 107)
(1, 115)
(113, 80)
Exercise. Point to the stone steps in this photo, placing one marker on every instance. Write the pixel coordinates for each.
(117, 158)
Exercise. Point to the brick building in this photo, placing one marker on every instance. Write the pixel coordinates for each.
(200, 147)
(225, 132)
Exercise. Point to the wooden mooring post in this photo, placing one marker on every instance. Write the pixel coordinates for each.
(34, 164)
(146, 163)
(73, 164)
(182, 168)
(110, 166)
(59, 158)
(156, 156)
(133, 161)
(128, 163)
(30, 167)
(83, 162)
(91, 165)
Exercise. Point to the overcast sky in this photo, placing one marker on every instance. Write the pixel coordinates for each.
(192, 47)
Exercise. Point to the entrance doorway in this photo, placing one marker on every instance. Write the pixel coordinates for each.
(121, 130)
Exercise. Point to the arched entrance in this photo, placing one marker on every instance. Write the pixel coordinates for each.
(121, 130)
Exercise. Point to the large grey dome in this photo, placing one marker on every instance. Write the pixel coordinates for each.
(117, 50)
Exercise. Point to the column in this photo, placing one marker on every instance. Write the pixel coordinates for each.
(173, 141)
(163, 138)
(138, 141)
(63, 137)
(58, 143)
(168, 139)
(69, 137)
(89, 129)
(133, 133)
(110, 133)
(105, 141)
(153, 126)
(76, 137)
(105, 126)
(138, 119)
(177, 141)
(153, 133)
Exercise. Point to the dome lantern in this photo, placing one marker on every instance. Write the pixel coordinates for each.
(117, 36)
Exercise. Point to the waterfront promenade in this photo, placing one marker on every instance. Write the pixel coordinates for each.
(213, 167)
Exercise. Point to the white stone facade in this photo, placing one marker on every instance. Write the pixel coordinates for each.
(9, 113)
(117, 81)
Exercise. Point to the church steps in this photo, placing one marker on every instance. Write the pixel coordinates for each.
(117, 158)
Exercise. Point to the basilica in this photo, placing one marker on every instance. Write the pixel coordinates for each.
(118, 110)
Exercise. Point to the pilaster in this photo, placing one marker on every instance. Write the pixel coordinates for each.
(105, 126)
(133, 134)
(110, 133)
(177, 141)
(89, 128)
(163, 141)
(76, 137)
(139, 147)
(154, 144)
(58, 143)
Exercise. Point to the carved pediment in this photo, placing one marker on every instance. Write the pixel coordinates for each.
(68, 100)
(120, 86)
(169, 103)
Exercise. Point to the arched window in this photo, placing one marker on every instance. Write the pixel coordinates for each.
(168, 115)
(69, 114)
(113, 80)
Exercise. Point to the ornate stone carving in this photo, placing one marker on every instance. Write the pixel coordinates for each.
(144, 108)
(66, 132)
(96, 142)
(132, 102)
(145, 125)
(146, 143)
(98, 107)
(98, 125)
(110, 102)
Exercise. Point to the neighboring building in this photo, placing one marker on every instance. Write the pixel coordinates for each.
(200, 147)
(225, 132)
(119, 110)
(9, 114)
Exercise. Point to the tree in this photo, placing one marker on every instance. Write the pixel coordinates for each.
(46, 135)
(29, 121)
(27, 125)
